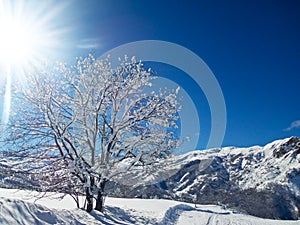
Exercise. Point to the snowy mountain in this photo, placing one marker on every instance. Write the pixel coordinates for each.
(260, 181)
(23, 207)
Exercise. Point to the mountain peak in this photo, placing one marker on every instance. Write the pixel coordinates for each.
(289, 146)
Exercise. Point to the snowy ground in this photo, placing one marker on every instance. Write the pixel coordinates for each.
(21, 207)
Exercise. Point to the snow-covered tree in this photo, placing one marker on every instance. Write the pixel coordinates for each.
(78, 127)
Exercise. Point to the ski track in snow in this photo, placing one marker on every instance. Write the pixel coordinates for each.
(18, 208)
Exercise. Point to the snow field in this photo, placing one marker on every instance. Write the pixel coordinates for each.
(24, 207)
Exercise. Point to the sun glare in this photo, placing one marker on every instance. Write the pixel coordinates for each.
(30, 32)
(16, 42)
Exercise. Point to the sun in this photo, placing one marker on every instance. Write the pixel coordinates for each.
(20, 38)
(30, 31)
(16, 42)
(30, 34)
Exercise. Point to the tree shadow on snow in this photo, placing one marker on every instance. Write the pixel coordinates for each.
(117, 216)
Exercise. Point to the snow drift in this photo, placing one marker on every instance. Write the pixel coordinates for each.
(20, 207)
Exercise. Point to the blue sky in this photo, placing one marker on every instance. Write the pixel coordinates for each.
(252, 47)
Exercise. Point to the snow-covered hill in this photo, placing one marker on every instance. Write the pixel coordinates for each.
(261, 181)
(20, 207)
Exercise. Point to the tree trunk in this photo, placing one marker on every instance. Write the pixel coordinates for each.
(100, 197)
(89, 194)
(100, 202)
(89, 200)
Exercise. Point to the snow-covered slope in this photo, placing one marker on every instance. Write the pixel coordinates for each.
(261, 181)
(18, 207)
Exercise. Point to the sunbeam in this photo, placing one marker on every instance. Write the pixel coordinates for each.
(31, 33)
(7, 97)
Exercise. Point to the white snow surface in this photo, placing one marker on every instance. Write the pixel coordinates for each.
(24, 207)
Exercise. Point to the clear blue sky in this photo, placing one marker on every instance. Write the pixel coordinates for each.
(252, 47)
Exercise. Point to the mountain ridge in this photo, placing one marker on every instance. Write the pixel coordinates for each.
(262, 181)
